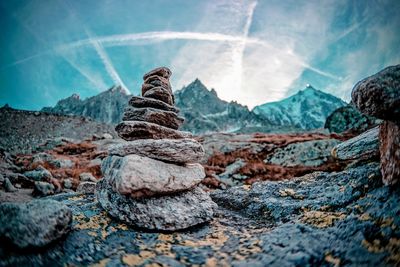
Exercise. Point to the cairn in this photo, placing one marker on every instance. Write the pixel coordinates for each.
(152, 181)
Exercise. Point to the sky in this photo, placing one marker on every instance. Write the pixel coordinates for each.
(251, 52)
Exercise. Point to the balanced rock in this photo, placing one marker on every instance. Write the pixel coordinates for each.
(161, 71)
(168, 213)
(161, 94)
(138, 176)
(167, 150)
(133, 130)
(157, 81)
(145, 102)
(390, 152)
(34, 224)
(161, 117)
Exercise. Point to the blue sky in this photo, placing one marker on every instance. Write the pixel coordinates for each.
(249, 51)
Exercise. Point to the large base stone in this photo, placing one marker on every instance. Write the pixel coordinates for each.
(168, 150)
(138, 176)
(168, 213)
(390, 152)
(134, 130)
(161, 117)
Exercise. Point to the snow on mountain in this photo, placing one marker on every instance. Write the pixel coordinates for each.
(308, 109)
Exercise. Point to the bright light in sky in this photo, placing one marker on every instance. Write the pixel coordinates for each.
(248, 51)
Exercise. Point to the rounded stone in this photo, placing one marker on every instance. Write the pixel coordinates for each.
(160, 71)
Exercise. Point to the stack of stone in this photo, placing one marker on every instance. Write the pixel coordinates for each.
(152, 181)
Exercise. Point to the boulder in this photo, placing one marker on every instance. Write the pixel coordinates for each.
(161, 72)
(8, 186)
(34, 224)
(363, 146)
(168, 213)
(161, 94)
(379, 94)
(86, 187)
(167, 150)
(390, 152)
(161, 117)
(145, 102)
(42, 189)
(87, 177)
(40, 174)
(137, 176)
(133, 130)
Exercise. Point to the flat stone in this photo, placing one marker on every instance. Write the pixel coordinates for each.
(379, 94)
(133, 130)
(157, 81)
(86, 187)
(145, 102)
(161, 94)
(363, 146)
(34, 224)
(161, 117)
(161, 71)
(168, 150)
(168, 213)
(138, 176)
(390, 152)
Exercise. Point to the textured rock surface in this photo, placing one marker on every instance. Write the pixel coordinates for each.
(86, 187)
(133, 130)
(143, 102)
(168, 213)
(379, 94)
(34, 224)
(161, 94)
(40, 174)
(157, 81)
(161, 71)
(168, 150)
(363, 146)
(310, 153)
(161, 117)
(390, 152)
(138, 176)
(43, 189)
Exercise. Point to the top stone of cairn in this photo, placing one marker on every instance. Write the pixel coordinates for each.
(161, 71)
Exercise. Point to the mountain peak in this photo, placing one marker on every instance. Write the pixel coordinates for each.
(119, 89)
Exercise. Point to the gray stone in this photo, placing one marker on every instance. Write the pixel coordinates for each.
(168, 213)
(168, 150)
(158, 116)
(87, 177)
(363, 146)
(62, 163)
(43, 189)
(232, 168)
(86, 187)
(390, 152)
(67, 183)
(138, 176)
(107, 136)
(145, 102)
(310, 153)
(34, 224)
(133, 130)
(8, 186)
(40, 174)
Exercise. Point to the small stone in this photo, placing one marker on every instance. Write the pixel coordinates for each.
(133, 130)
(86, 188)
(161, 94)
(390, 152)
(161, 117)
(157, 81)
(138, 176)
(379, 94)
(168, 213)
(144, 102)
(62, 163)
(42, 189)
(107, 136)
(167, 150)
(8, 186)
(34, 224)
(87, 177)
(67, 183)
(40, 174)
(161, 71)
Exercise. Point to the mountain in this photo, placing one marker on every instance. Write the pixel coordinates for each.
(205, 112)
(308, 109)
(106, 107)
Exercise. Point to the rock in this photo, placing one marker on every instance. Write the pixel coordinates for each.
(167, 150)
(363, 146)
(40, 174)
(133, 130)
(161, 72)
(157, 81)
(310, 153)
(138, 176)
(43, 189)
(34, 224)
(107, 136)
(42, 157)
(62, 163)
(8, 186)
(232, 168)
(87, 177)
(67, 183)
(390, 152)
(161, 117)
(145, 102)
(169, 213)
(161, 94)
(348, 118)
(86, 187)
(379, 94)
